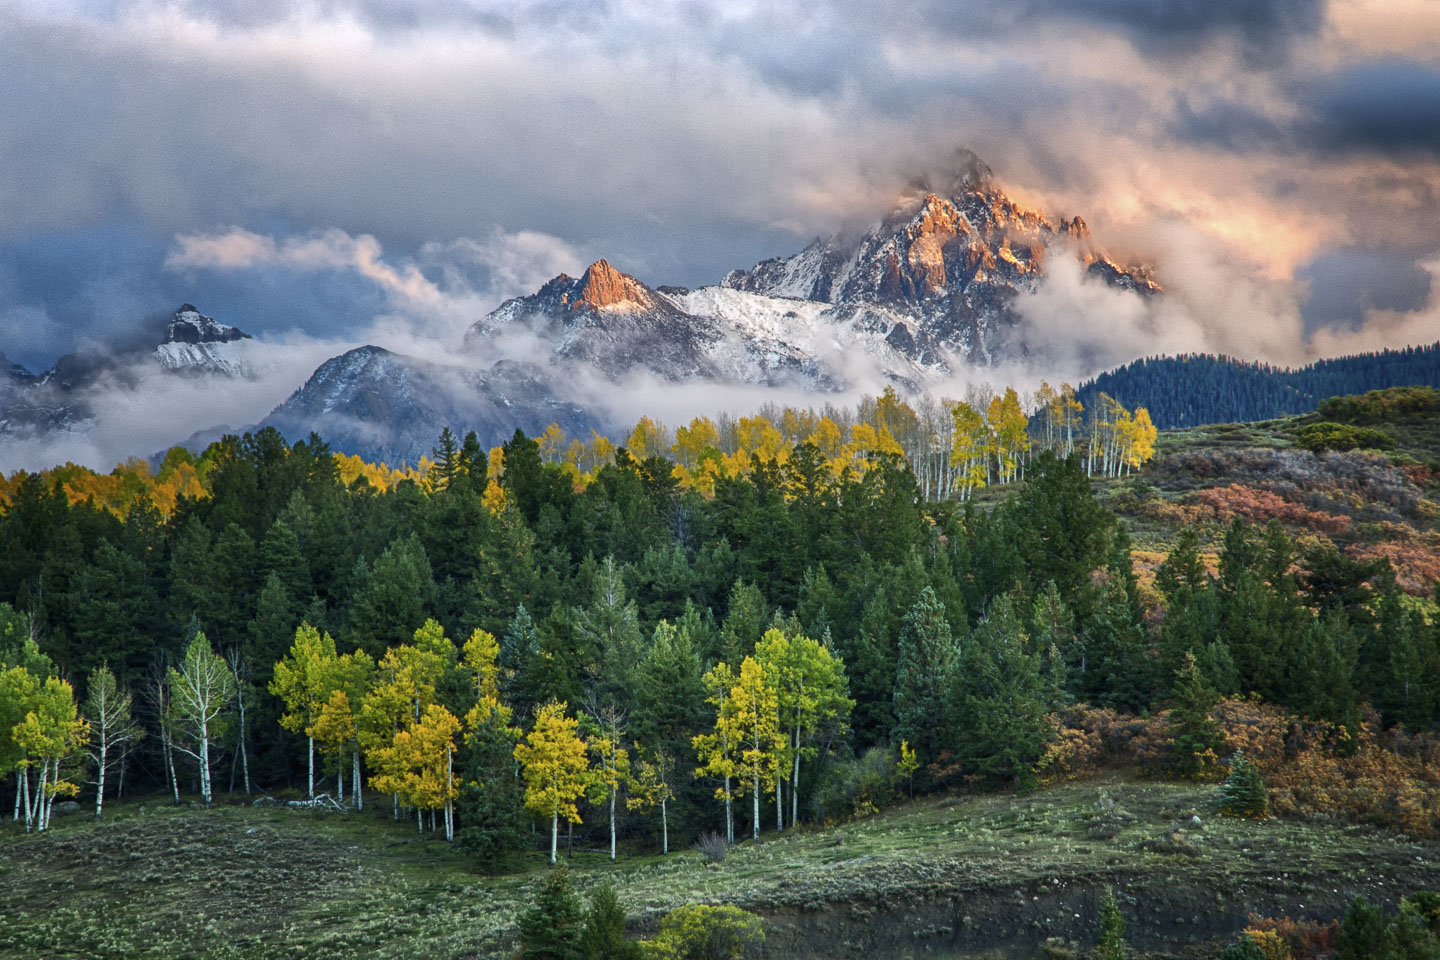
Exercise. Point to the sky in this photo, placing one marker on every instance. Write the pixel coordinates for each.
(350, 170)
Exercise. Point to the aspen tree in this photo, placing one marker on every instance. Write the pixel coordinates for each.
(652, 785)
(200, 693)
(553, 762)
(50, 734)
(753, 724)
(112, 728)
(716, 749)
(418, 765)
(612, 761)
(809, 683)
(19, 688)
(405, 684)
(299, 680)
(241, 668)
(346, 680)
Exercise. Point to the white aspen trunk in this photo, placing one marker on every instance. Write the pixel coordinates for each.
(554, 834)
(729, 814)
(49, 801)
(779, 804)
(355, 778)
(795, 780)
(244, 752)
(612, 824)
(22, 786)
(420, 821)
(395, 806)
(755, 801)
(16, 818)
(100, 778)
(170, 764)
(310, 772)
(339, 780)
(664, 830)
(205, 762)
(39, 816)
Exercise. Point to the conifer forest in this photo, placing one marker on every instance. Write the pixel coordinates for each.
(736, 630)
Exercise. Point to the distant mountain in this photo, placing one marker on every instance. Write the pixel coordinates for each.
(63, 397)
(1198, 389)
(938, 275)
(928, 288)
(387, 407)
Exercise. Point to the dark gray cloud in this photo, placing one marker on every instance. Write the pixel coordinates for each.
(1390, 108)
(678, 139)
(1169, 25)
(1345, 285)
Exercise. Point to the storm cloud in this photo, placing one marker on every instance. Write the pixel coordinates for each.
(341, 170)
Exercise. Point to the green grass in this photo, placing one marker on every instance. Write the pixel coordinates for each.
(241, 882)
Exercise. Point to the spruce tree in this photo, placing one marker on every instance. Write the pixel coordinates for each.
(1195, 737)
(1111, 945)
(604, 936)
(553, 927)
(1000, 697)
(1243, 792)
(924, 673)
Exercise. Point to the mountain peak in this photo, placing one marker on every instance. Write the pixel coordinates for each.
(604, 286)
(189, 325)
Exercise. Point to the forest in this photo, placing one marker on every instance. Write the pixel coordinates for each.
(1193, 389)
(521, 655)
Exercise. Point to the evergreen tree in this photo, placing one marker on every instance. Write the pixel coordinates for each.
(1195, 737)
(1243, 792)
(926, 664)
(554, 926)
(604, 936)
(1111, 945)
(1000, 699)
(392, 598)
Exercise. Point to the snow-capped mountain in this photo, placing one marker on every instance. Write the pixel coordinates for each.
(197, 344)
(63, 398)
(384, 406)
(925, 289)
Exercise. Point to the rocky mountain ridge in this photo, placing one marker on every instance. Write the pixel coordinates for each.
(922, 292)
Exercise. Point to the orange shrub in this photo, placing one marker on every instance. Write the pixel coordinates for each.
(1261, 506)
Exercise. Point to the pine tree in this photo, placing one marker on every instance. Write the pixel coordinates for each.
(1000, 699)
(1195, 737)
(604, 936)
(1111, 945)
(925, 667)
(1243, 792)
(553, 928)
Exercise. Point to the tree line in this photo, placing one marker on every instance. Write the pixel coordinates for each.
(760, 652)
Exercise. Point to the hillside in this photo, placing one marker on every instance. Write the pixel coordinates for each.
(1188, 391)
(1372, 504)
(943, 877)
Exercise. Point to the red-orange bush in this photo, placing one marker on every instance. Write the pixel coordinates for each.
(1261, 506)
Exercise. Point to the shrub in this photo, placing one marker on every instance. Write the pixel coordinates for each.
(699, 932)
(1243, 949)
(857, 787)
(1340, 436)
(713, 846)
